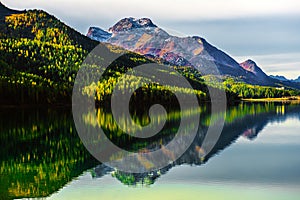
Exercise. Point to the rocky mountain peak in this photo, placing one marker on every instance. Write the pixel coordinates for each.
(98, 34)
(131, 23)
(249, 65)
(144, 37)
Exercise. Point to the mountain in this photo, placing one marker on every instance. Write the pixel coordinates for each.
(98, 34)
(297, 80)
(251, 66)
(131, 23)
(280, 78)
(144, 37)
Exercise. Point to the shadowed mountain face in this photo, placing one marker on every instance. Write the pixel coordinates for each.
(98, 34)
(262, 77)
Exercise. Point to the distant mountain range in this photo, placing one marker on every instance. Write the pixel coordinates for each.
(144, 37)
(282, 78)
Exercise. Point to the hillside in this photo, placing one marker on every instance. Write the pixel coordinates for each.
(40, 57)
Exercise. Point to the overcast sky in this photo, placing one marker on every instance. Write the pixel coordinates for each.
(266, 31)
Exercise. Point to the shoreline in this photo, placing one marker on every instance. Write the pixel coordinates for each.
(295, 99)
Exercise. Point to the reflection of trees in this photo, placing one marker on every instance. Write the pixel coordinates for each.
(40, 152)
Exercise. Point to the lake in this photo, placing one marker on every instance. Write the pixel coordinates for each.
(256, 156)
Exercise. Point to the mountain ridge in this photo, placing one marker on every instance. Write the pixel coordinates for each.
(132, 36)
(130, 23)
(283, 78)
(250, 66)
(194, 51)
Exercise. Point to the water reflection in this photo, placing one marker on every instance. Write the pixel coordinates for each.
(41, 151)
(246, 120)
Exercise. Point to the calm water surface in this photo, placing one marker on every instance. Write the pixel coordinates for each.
(257, 156)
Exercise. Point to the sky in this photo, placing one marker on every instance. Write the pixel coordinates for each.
(266, 31)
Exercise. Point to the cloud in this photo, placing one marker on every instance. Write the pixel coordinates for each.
(166, 9)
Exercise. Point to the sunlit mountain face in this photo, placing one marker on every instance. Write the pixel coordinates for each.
(144, 37)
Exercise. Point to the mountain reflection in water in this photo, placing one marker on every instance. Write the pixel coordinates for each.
(41, 151)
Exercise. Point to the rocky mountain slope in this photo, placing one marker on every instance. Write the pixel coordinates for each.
(98, 34)
(144, 37)
(262, 77)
